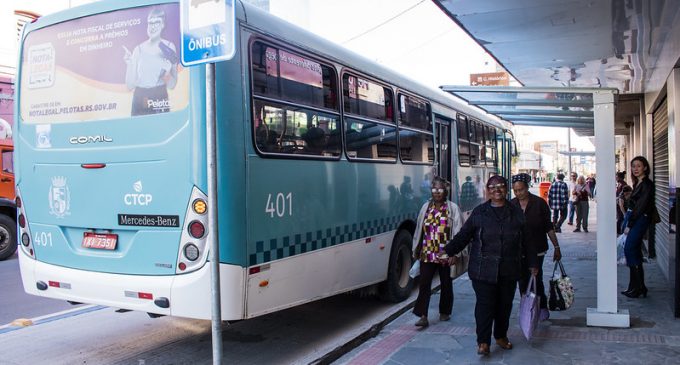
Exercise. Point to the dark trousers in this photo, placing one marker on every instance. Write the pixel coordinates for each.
(558, 217)
(572, 209)
(493, 307)
(427, 271)
(540, 289)
(582, 209)
(633, 247)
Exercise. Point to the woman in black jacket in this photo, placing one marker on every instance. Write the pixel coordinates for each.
(641, 210)
(495, 232)
(539, 224)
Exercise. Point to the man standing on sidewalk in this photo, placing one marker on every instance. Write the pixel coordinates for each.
(572, 209)
(558, 198)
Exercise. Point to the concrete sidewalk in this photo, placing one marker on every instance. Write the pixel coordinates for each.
(654, 336)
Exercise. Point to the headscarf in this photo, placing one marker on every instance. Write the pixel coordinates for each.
(525, 178)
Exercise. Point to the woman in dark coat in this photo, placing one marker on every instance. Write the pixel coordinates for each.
(495, 232)
(537, 216)
(641, 210)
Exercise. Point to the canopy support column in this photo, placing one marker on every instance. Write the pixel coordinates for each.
(607, 313)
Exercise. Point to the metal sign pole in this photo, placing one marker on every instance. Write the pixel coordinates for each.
(212, 214)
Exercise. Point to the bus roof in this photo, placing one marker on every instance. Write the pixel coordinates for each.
(279, 28)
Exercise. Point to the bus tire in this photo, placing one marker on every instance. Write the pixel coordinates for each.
(8, 237)
(399, 284)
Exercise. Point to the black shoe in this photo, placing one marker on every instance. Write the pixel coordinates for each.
(422, 322)
(558, 230)
(585, 230)
(569, 223)
(577, 230)
(638, 282)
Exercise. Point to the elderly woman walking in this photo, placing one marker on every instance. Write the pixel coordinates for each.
(439, 219)
(496, 233)
(581, 197)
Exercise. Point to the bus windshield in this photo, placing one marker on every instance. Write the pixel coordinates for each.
(104, 66)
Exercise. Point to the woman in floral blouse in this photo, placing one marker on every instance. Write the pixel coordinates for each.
(439, 220)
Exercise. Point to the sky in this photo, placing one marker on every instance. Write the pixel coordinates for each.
(412, 37)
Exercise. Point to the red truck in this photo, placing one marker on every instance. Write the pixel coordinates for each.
(8, 209)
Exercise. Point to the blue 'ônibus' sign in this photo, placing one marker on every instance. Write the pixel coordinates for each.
(207, 28)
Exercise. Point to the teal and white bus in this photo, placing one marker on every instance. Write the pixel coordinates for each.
(323, 160)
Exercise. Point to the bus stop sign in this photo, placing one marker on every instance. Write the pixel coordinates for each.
(207, 28)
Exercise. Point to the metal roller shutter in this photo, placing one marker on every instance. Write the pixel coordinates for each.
(660, 168)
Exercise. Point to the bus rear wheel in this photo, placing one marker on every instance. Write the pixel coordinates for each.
(8, 237)
(399, 284)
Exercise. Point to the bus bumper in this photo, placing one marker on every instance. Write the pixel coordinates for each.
(188, 295)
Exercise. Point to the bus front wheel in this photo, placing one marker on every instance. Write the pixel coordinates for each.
(8, 237)
(399, 284)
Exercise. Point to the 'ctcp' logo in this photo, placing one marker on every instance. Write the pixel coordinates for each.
(137, 198)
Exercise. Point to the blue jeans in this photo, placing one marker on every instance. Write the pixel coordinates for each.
(633, 247)
(572, 209)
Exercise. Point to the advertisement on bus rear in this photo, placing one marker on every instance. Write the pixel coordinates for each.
(111, 65)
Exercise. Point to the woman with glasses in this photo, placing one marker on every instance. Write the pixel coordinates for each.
(439, 219)
(151, 68)
(496, 233)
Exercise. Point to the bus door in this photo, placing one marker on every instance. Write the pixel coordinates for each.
(442, 142)
(508, 153)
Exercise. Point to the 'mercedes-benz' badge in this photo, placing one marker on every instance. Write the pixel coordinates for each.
(89, 139)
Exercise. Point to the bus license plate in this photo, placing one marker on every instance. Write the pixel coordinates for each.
(102, 241)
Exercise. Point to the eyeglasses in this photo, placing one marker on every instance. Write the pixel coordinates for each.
(438, 190)
(496, 187)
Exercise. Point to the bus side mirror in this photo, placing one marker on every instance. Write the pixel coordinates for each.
(513, 149)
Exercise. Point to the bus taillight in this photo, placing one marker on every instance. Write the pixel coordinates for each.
(196, 229)
(200, 206)
(192, 252)
(24, 230)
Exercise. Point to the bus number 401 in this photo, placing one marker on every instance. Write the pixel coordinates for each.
(281, 205)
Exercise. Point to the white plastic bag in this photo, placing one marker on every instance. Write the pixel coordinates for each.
(620, 254)
(415, 269)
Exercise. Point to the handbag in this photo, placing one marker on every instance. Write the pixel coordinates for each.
(561, 290)
(656, 218)
(529, 309)
(415, 269)
(620, 253)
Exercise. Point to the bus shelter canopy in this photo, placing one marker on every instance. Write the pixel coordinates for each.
(535, 106)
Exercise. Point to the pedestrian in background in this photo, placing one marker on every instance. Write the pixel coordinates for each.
(438, 220)
(620, 184)
(572, 207)
(495, 232)
(558, 198)
(537, 216)
(641, 213)
(581, 197)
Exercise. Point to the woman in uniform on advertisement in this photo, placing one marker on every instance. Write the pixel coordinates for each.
(151, 69)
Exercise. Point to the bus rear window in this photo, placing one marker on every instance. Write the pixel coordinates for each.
(111, 65)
